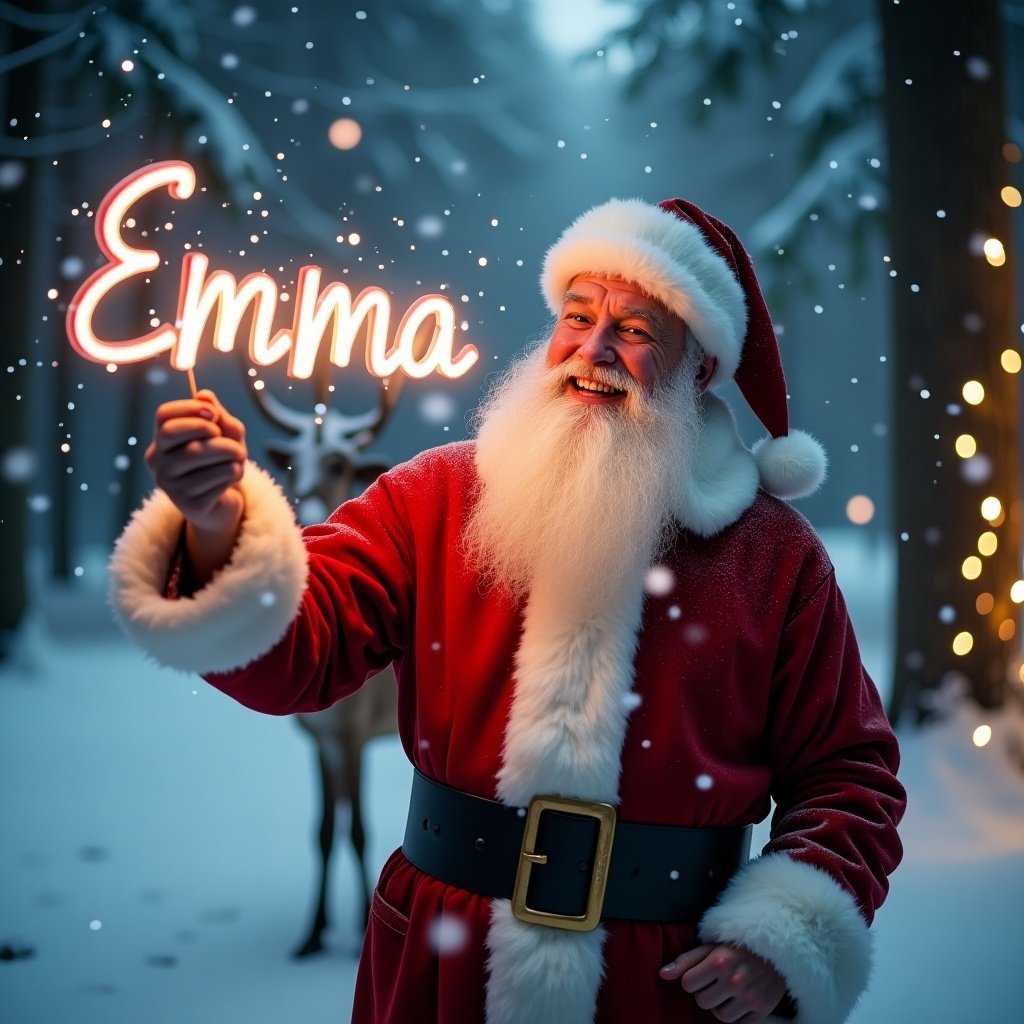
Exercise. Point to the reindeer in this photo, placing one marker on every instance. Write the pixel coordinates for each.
(324, 462)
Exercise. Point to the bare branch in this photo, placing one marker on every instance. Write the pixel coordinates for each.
(36, 22)
(56, 143)
(43, 48)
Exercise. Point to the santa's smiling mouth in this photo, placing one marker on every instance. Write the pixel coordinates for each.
(594, 387)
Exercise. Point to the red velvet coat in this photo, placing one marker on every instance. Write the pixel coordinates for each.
(750, 689)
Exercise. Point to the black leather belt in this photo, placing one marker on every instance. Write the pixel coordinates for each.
(569, 863)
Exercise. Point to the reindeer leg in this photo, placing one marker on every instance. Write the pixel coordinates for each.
(314, 940)
(354, 760)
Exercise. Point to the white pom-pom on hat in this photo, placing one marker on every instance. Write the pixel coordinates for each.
(792, 466)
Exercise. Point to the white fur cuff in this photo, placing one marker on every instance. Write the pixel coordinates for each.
(802, 921)
(241, 613)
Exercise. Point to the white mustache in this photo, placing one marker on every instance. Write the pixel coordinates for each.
(560, 375)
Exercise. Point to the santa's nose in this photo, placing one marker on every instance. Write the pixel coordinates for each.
(599, 346)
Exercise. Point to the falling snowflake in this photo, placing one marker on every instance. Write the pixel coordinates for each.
(18, 465)
(978, 68)
(631, 701)
(437, 407)
(704, 781)
(447, 934)
(695, 634)
(660, 580)
(977, 469)
(12, 174)
(71, 266)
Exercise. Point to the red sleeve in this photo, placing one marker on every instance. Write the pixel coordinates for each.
(355, 614)
(835, 755)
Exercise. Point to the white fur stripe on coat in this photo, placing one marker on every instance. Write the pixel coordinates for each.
(564, 736)
(802, 921)
(241, 613)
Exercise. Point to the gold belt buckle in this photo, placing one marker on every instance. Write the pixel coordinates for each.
(529, 857)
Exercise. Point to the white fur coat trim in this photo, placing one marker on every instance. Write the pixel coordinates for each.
(564, 736)
(541, 975)
(808, 926)
(241, 613)
(723, 477)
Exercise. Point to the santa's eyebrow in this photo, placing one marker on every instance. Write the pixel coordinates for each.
(577, 297)
(652, 316)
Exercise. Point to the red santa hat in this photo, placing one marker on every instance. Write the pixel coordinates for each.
(697, 267)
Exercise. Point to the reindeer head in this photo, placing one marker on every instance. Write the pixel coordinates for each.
(323, 451)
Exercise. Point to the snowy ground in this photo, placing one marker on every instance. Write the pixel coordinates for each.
(156, 853)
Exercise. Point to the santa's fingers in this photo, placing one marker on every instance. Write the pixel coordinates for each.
(182, 430)
(230, 426)
(682, 963)
(171, 467)
(197, 492)
(195, 453)
(184, 408)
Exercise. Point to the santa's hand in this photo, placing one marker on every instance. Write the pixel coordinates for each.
(197, 457)
(731, 982)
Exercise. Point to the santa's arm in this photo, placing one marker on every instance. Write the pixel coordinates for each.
(294, 620)
(806, 904)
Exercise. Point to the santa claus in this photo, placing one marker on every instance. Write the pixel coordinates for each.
(615, 646)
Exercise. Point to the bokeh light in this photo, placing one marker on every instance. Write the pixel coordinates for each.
(345, 133)
(966, 446)
(962, 643)
(973, 392)
(994, 252)
(971, 567)
(860, 509)
(991, 508)
(987, 543)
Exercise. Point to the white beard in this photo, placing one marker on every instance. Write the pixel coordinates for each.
(575, 502)
(579, 494)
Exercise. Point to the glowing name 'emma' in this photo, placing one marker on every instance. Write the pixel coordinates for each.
(204, 294)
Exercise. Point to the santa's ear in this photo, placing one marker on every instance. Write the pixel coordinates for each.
(706, 371)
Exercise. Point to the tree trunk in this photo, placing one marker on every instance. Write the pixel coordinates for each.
(953, 315)
(16, 458)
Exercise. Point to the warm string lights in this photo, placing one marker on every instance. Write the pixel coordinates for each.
(994, 515)
(991, 509)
